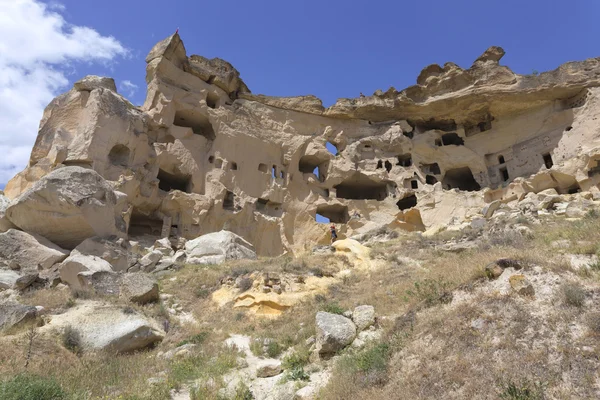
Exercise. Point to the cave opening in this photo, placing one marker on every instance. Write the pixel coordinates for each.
(460, 178)
(199, 123)
(229, 201)
(361, 187)
(404, 160)
(119, 155)
(407, 202)
(140, 225)
(504, 173)
(270, 208)
(452, 139)
(211, 100)
(169, 182)
(308, 164)
(548, 160)
(335, 213)
(430, 179)
(431, 168)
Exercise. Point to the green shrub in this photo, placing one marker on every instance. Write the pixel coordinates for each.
(196, 339)
(573, 294)
(592, 321)
(71, 339)
(522, 391)
(333, 308)
(31, 387)
(298, 358)
(274, 349)
(202, 293)
(431, 291)
(369, 366)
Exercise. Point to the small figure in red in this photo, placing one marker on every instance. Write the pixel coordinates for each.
(333, 233)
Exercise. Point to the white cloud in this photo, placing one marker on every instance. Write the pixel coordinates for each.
(128, 87)
(36, 47)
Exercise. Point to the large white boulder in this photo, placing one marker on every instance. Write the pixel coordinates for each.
(217, 247)
(334, 332)
(77, 269)
(67, 206)
(363, 316)
(29, 251)
(107, 327)
(116, 251)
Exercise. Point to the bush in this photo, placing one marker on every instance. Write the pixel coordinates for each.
(202, 293)
(573, 294)
(274, 349)
(431, 291)
(196, 339)
(298, 358)
(71, 339)
(523, 391)
(245, 284)
(333, 308)
(369, 366)
(31, 387)
(592, 321)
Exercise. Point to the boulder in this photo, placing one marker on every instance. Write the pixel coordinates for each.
(148, 262)
(67, 206)
(334, 332)
(164, 246)
(268, 368)
(107, 327)
(217, 247)
(363, 317)
(29, 251)
(115, 251)
(135, 287)
(5, 224)
(139, 288)
(77, 270)
(15, 315)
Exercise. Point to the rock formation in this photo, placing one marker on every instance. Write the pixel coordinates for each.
(204, 154)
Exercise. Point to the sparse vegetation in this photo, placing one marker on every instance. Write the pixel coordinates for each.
(71, 339)
(31, 387)
(333, 308)
(525, 390)
(431, 292)
(198, 338)
(573, 294)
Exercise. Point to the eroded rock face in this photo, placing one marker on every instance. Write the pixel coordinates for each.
(107, 327)
(29, 251)
(215, 248)
(203, 154)
(334, 332)
(68, 206)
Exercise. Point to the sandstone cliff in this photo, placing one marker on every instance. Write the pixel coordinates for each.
(203, 153)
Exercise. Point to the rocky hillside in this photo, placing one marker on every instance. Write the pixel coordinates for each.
(172, 251)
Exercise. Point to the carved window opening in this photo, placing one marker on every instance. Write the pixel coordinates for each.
(169, 182)
(407, 202)
(460, 178)
(548, 160)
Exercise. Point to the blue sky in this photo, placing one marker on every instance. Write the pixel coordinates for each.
(330, 48)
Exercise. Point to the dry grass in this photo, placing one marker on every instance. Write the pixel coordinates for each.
(429, 350)
(436, 353)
